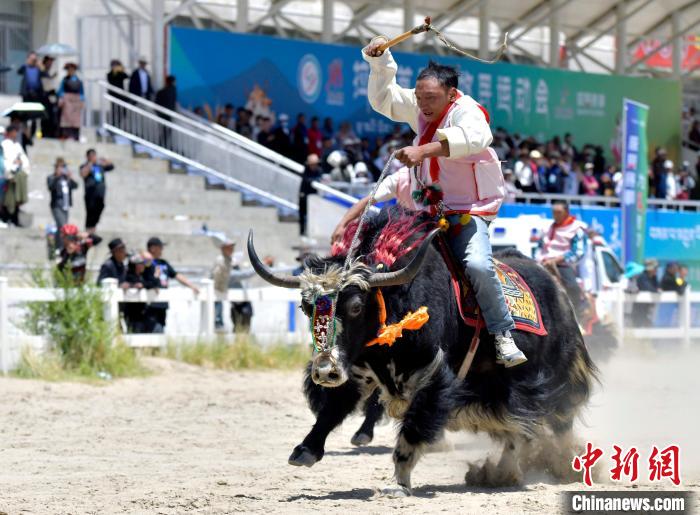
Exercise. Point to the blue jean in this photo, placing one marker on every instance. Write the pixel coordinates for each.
(472, 244)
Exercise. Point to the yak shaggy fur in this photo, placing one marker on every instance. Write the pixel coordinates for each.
(530, 408)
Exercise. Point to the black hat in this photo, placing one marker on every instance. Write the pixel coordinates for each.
(115, 244)
(155, 242)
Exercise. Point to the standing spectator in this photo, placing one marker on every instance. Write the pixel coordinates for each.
(312, 172)
(167, 99)
(160, 274)
(300, 139)
(30, 86)
(526, 170)
(115, 267)
(511, 189)
(70, 100)
(49, 124)
(140, 82)
(280, 141)
(116, 77)
(569, 149)
(243, 123)
(345, 132)
(73, 257)
(93, 173)
(221, 273)
(315, 138)
(554, 175)
(607, 187)
(686, 182)
(671, 281)
(135, 312)
(643, 313)
(327, 130)
(656, 170)
(61, 186)
(229, 120)
(589, 184)
(16, 166)
(661, 180)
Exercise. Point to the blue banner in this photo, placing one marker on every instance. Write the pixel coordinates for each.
(635, 179)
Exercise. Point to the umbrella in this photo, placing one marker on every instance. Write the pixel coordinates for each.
(56, 49)
(25, 110)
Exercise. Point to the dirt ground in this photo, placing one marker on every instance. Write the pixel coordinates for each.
(187, 439)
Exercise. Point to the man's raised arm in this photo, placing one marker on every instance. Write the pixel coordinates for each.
(384, 94)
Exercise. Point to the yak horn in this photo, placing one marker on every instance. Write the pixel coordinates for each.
(281, 280)
(407, 273)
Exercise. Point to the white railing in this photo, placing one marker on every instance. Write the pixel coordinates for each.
(597, 200)
(276, 300)
(621, 302)
(229, 157)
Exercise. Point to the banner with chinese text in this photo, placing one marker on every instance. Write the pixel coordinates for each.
(635, 179)
(293, 76)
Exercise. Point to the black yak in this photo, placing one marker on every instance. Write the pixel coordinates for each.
(525, 407)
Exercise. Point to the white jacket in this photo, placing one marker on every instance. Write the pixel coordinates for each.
(12, 151)
(468, 133)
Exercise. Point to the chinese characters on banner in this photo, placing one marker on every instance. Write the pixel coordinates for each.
(635, 182)
(662, 464)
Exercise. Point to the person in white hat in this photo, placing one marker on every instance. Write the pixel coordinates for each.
(221, 274)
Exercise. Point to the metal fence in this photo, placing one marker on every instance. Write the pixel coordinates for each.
(212, 150)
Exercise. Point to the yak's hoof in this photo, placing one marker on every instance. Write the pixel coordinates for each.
(360, 439)
(395, 492)
(301, 456)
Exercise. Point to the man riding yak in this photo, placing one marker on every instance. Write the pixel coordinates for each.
(392, 318)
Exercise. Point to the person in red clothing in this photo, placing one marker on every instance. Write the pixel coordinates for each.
(315, 137)
(73, 257)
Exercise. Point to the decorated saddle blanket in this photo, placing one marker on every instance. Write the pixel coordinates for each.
(521, 302)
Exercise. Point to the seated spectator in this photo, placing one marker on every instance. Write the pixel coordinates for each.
(73, 257)
(115, 267)
(61, 186)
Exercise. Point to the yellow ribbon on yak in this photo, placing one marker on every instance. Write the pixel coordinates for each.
(388, 334)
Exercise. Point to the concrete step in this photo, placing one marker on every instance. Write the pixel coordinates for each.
(77, 150)
(132, 164)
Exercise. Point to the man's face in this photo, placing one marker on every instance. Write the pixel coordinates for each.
(119, 253)
(227, 250)
(559, 213)
(432, 98)
(31, 59)
(673, 269)
(156, 251)
(11, 135)
(92, 157)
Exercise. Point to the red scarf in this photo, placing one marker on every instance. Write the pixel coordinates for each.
(428, 135)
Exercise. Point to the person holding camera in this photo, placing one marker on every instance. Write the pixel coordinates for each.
(61, 186)
(93, 172)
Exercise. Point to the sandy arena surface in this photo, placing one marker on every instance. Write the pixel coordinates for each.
(189, 439)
